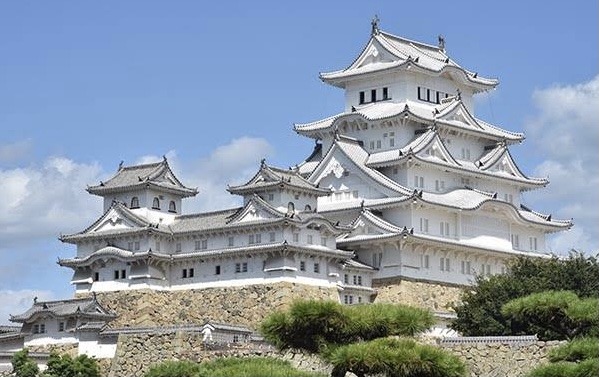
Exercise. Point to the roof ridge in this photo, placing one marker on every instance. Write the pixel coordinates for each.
(423, 44)
(202, 214)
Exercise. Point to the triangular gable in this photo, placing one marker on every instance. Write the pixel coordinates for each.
(430, 146)
(256, 209)
(374, 52)
(117, 217)
(347, 157)
(459, 113)
(499, 160)
(367, 223)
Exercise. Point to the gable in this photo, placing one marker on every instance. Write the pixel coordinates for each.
(341, 175)
(113, 220)
(255, 212)
(373, 53)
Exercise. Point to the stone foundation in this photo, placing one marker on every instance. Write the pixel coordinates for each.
(434, 296)
(70, 349)
(136, 353)
(246, 306)
(501, 359)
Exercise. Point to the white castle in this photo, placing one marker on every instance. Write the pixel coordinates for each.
(404, 183)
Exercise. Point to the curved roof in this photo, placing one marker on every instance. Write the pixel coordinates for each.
(452, 114)
(156, 175)
(385, 51)
(148, 255)
(269, 177)
(85, 307)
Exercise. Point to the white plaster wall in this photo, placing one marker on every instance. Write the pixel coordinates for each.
(93, 346)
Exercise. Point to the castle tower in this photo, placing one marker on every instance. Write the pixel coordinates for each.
(430, 191)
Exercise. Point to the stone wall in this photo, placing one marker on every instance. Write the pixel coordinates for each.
(70, 349)
(502, 359)
(246, 305)
(136, 353)
(434, 296)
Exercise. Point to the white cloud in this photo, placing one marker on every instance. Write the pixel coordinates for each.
(565, 130)
(233, 163)
(17, 302)
(15, 151)
(42, 201)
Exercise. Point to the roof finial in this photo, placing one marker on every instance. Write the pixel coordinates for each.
(458, 94)
(375, 25)
(441, 42)
(164, 157)
(263, 162)
(35, 300)
(121, 164)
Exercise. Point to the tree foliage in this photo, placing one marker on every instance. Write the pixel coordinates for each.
(252, 367)
(396, 358)
(315, 325)
(172, 368)
(585, 368)
(23, 365)
(225, 367)
(562, 314)
(358, 338)
(66, 366)
(479, 313)
(565, 315)
(576, 350)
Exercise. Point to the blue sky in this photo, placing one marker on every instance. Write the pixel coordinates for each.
(217, 86)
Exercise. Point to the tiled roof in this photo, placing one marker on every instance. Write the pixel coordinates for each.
(269, 177)
(85, 307)
(158, 175)
(203, 221)
(354, 263)
(126, 255)
(404, 53)
(416, 110)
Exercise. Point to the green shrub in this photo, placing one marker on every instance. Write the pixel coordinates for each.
(66, 366)
(316, 325)
(395, 358)
(251, 367)
(23, 365)
(174, 368)
(586, 368)
(576, 350)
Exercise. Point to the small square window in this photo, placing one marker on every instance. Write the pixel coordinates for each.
(123, 274)
(60, 326)
(302, 266)
(184, 273)
(96, 276)
(116, 274)
(295, 237)
(317, 268)
(178, 247)
(231, 241)
(362, 98)
(216, 270)
(271, 237)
